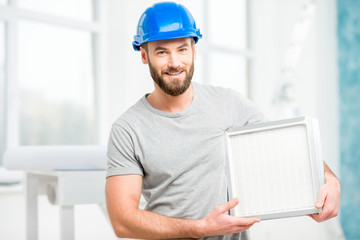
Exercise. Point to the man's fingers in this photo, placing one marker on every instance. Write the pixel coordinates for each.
(247, 221)
(219, 223)
(329, 203)
(329, 211)
(243, 224)
(229, 205)
(321, 199)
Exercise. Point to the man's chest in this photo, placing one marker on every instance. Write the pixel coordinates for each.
(178, 149)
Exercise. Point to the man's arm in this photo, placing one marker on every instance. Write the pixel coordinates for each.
(329, 197)
(128, 221)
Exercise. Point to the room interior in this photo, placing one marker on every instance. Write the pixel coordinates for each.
(68, 71)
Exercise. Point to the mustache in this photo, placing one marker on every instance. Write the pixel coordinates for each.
(173, 70)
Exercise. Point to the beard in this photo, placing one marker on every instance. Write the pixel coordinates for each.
(176, 87)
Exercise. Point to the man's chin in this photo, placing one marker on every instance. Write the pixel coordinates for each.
(173, 80)
(175, 89)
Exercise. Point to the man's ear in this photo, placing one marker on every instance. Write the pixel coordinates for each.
(144, 56)
(194, 50)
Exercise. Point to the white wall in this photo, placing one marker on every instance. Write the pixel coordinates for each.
(316, 75)
(327, 82)
(125, 85)
(272, 25)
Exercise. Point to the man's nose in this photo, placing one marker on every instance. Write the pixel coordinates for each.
(174, 60)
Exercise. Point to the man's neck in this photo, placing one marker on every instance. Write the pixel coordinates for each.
(164, 102)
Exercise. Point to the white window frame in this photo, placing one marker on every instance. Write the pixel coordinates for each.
(208, 48)
(11, 14)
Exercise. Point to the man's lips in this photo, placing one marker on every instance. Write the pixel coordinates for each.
(174, 73)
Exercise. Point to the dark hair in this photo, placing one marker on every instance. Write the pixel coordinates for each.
(145, 47)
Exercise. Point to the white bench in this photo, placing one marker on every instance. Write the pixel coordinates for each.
(68, 175)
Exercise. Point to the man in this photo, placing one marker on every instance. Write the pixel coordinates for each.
(170, 145)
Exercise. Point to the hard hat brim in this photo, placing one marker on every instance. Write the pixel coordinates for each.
(165, 36)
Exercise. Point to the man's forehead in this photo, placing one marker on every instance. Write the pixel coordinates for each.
(169, 43)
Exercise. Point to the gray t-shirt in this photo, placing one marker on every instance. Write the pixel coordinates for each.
(181, 156)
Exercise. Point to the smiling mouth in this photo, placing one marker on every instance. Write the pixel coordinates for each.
(174, 73)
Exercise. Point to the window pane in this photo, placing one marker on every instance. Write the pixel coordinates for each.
(77, 9)
(56, 85)
(229, 71)
(2, 89)
(227, 23)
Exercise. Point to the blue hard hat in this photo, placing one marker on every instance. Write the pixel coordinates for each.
(165, 20)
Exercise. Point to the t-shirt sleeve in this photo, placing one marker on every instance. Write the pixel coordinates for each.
(121, 154)
(246, 111)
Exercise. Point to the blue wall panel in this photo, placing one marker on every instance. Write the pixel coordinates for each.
(349, 86)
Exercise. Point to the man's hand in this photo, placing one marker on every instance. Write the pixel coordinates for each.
(217, 222)
(328, 198)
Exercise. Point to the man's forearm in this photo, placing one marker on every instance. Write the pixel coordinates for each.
(141, 224)
(122, 200)
(137, 223)
(328, 174)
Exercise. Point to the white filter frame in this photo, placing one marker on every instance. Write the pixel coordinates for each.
(315, 173)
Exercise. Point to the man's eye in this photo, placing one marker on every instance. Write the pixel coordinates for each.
(183, 50)
(161, 53)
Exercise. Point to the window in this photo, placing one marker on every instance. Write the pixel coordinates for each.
(228, 30)
(225, 54)
(79, 9)
(49, 72)
(56, 85)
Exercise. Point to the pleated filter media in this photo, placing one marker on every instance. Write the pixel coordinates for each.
(275, 169)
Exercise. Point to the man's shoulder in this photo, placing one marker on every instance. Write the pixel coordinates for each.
(208, 87)
(214, 91)
(220, 94)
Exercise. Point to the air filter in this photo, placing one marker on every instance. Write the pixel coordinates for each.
(275, 168)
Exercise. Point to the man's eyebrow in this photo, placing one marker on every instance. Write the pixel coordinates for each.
(163, 49)
(184, 45)
(159, 48)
